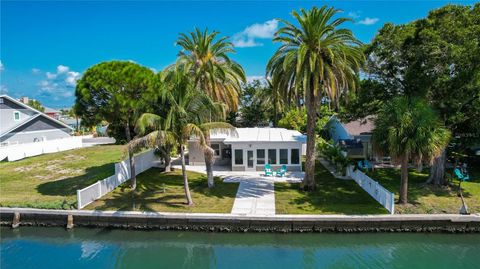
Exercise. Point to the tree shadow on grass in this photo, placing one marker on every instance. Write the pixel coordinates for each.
(332, 195)
(417, 187)
(157, 190)
(69, 186)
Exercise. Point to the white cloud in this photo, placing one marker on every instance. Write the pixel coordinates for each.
(369, 21)
(3, 89)
(36, 71)
(247, 37)
(245, 43)
(62, 69)
(72, 78)
(51, 75)
(354, 14)
(60, 84)
(253, 78)
(2, 67)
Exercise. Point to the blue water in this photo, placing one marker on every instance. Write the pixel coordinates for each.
(30, 247)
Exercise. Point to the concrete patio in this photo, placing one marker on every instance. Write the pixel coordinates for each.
(255, 195)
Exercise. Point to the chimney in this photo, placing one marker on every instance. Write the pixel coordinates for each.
(24, 99)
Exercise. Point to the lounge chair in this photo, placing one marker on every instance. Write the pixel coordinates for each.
(281, 171)
(268, 170)
(365, 164)
(460, 175)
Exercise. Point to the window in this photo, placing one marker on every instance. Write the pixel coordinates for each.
(295, 157)
(238, 156)
(216, 149)
(272, 156)
(260, 156)
(16, 115)
(283, 156)
(1, 100)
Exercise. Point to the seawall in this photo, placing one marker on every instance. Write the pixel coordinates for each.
(240, 223)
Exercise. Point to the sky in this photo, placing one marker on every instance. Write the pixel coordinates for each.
(46, 46)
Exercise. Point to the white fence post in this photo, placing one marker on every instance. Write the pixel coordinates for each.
(99, 188)
(375, 190)
(79, 205)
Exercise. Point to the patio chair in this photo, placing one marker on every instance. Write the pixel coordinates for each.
(364, 164)
(460, 175)
(281, 171)
(268, 170)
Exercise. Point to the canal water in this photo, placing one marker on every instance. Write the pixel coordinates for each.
(33, 247)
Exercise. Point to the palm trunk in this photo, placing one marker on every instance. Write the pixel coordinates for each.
(404, 181)
(131, 159)
(208, 154)
(168, 163)
(437, 170)
(309, 180)
(185, 179)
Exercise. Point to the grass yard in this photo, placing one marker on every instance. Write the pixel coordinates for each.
(429, 199)
(149, 195)
(332, 196)
(51, 180)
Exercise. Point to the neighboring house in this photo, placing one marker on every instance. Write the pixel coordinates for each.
(53, 113)
(251, 148)
(20, 123)
(355, 136)
(72, 122)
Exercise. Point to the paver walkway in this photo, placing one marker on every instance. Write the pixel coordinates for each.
(256, 194)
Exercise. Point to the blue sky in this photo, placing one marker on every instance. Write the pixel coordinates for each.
(45, 46)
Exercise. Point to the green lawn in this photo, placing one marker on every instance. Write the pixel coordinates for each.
(149, 195)
(332, 196)
(51, 180)
(428, 199)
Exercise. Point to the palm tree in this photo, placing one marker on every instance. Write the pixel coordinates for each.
(316, 59)
(409, 130)
(207, 61)
(187, 116)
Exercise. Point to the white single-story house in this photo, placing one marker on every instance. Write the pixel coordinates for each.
(249, 149)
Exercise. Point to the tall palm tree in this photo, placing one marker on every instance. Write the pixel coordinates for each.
(187, 116)
(207, 60)
(409, 130)
(316, 59)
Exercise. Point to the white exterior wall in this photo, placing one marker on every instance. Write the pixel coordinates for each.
(196, 155)
(266, 146)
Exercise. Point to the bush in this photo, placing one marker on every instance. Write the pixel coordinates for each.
(333, 154)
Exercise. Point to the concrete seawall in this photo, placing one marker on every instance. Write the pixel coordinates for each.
(240, 223)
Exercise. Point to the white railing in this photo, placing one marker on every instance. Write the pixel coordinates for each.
(19, 151)
(372, 187)
(95, 191)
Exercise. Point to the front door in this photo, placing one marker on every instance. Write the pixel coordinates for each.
(250, 160)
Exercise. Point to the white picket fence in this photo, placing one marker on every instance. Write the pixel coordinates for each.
(95, 191)
(19, 151)
(372, 187)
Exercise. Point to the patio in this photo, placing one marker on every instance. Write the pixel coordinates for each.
(239, 176)
(256, 193)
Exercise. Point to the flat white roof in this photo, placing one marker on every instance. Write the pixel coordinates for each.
(261, 135)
